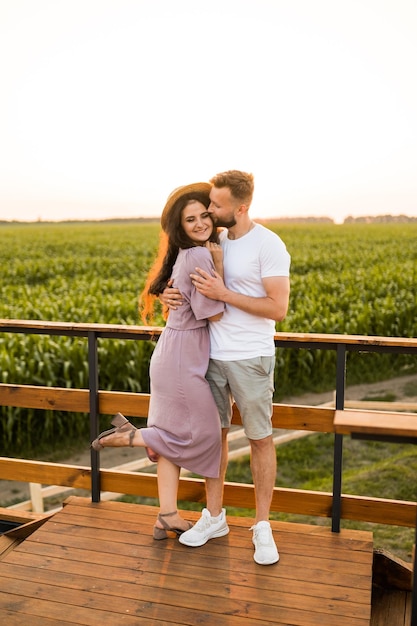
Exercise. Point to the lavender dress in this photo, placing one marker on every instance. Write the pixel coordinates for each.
(183, 422)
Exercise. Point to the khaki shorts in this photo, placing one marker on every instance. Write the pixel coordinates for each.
(250, 383)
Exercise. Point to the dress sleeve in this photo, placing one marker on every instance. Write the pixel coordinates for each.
(202, 306)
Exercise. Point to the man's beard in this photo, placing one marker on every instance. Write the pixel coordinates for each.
(225, 223)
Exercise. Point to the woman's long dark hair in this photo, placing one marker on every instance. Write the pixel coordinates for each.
(172, 239)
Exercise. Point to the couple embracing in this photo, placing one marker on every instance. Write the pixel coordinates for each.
(224, 280)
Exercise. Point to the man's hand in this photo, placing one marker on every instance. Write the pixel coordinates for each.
(211, 286)
(171, 296)
(273, 305)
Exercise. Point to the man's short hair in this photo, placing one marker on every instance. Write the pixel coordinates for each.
(241, 184)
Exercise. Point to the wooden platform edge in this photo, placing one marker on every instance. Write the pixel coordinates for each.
(29, 522)
(391, 572)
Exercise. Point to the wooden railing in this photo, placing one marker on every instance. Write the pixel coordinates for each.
(335, 505)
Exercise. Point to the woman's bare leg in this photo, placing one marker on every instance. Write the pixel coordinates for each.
(168, 478)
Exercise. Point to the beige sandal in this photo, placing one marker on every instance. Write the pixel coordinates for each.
(121, 425)
(162, 533)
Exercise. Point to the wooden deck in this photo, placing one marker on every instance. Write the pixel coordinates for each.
(98, 564)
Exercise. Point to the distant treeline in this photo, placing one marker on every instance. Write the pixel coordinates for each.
(380, 219)
(365, 219)
(115, 220)
(296, 220)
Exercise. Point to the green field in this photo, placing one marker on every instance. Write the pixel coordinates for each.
(348, 279)
(352, 279)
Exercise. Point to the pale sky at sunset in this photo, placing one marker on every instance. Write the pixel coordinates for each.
(107, 105)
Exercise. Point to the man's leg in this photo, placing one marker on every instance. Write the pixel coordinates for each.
(264, 471)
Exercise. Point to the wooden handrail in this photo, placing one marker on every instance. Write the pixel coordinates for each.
(303, 502)
(286, 416)
(370, 343)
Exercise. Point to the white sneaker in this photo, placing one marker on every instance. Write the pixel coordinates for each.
(266, 552)
(206, 528)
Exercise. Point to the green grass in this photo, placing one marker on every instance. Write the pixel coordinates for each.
(410, 389)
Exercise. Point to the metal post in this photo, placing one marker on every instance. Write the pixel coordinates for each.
(93, 387)
(414, 596)
(338, 439)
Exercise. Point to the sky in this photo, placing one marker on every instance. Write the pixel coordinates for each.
(108, 105)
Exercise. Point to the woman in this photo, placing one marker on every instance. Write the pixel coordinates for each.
(183, 428)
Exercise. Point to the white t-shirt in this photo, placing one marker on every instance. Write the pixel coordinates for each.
(247, 260)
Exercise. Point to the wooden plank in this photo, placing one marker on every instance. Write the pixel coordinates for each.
(74, 400)
(124, 569)
(107, 602)
(292, 417)
(7, 544)
(375, 423)
(337, 339)
(379, 510)
(297, 417)
(303, 417)
(34, 603)
(46, 473)
(320, 545)
(181, 607)
(130, 404)
(21, 517)
(12, 325)
(391, 572)
(24, 530)
(303, 502)
(11, 618)
(376, 405)
(47, 398)
(104, 566)
(52, 565)
(28, 523)
(16, 325)
(390, 608)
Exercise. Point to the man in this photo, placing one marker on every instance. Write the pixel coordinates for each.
(256, 291)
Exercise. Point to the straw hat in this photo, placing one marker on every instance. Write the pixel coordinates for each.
(178, 193)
